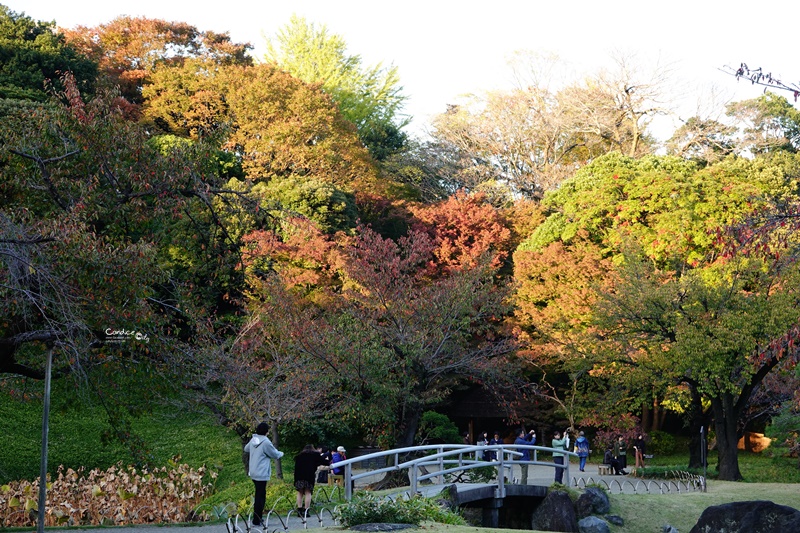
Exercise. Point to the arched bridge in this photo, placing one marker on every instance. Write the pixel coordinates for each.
(448, 464)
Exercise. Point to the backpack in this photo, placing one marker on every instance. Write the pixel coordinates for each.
(583, 447)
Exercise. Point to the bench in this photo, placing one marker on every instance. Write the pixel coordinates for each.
(604, 470)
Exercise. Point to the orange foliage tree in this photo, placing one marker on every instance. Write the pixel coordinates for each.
(128, 49)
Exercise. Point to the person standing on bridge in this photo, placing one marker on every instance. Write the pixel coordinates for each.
(524, 439)
(494, 440)
(560, 443)
(261, 451)
(483, 440)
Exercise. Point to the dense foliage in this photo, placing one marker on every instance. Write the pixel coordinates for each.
(262, 241)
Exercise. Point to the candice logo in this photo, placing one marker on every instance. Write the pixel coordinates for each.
(122, 335)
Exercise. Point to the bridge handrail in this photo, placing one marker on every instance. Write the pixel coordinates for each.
(446, 450)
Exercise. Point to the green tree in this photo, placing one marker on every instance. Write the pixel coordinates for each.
(369, 97)
(107, 230)
(769, 123)
(33, 53)
(674, 212)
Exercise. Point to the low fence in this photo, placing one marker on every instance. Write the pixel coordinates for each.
(683, 482)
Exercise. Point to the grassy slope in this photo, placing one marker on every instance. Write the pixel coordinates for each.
(76, 428)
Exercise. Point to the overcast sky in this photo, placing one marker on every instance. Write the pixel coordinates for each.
(446, 48)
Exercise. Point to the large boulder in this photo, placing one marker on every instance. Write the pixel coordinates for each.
(748, 517)
(593, 524)
(555, 513)
(592, 501)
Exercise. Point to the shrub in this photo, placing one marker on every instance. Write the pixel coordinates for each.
(366, 509)
(116, 496)
(661, 443)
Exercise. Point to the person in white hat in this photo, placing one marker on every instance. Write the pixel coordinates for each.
(338, 456)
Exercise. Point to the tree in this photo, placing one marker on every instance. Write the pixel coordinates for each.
(533, 137)
(706, 141)
(381, 319)
(722, 331)
(129, 49)
(278, 126)
(369, 97)
(671, 210)
(770, 123)
(33, 54)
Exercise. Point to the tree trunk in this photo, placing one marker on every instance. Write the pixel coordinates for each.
(697, 420)
(647, 424)
(409, 424)
(725, 425)
(276, 443)
(658, 418)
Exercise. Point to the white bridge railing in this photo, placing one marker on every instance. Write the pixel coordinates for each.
(443, 459)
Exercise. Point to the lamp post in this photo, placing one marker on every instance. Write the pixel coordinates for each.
(43, 461)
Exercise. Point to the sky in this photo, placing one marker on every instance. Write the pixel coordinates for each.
(444, 49)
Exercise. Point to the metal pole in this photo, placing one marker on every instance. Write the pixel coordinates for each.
(703, 454)
(441, 465)
(43, 461)
(348, 486)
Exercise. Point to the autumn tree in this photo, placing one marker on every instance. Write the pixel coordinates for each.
(706, 141)
(403, 321)
(672, 211)
(369, 97)
(277, 125)
(129, 49)
(92, 221)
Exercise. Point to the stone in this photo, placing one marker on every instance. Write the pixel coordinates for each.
(593, 524)
(592, 501)
(748, 517)
(555, 513)
(615, 519)
(669, 529)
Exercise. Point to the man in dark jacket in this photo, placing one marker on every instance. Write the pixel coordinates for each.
(524, 439)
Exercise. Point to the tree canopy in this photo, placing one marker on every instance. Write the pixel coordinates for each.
(369, 97)
(33, 53)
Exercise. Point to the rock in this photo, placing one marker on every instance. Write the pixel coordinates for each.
(748, 517)
(593, 524)
(592, 501)
(615, 519)
(555, 513)
(668, 529)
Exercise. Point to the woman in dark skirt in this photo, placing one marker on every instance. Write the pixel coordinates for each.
(306, 464)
